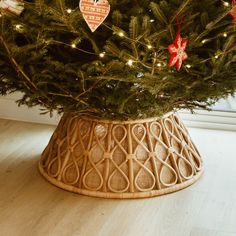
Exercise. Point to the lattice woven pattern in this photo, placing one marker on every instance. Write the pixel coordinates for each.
(114, 159)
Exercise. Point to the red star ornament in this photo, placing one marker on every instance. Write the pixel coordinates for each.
(233, 10)
(177, 51)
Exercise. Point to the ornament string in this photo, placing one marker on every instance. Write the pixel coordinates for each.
(179, 23)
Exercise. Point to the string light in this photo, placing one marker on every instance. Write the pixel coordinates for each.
(121, 34)
(102, 54)
(19, 26)
(130, 62)
(226, 4)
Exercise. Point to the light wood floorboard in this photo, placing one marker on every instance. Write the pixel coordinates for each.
(30, 206)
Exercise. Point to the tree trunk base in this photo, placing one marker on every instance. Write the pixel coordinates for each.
(115, 159)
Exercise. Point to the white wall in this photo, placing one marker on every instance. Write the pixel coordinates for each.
(10, 110)
(203, 119)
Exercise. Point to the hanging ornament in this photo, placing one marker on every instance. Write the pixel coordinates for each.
(94, 12)
(177, 50)
(12, 6)
(233, 10)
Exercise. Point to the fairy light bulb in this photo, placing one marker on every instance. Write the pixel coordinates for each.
(102, 54)
(225, 35)
(69, 10)
(121, 34)
(18, 26)
(159, 64)
(226, 4)
(149, 47)
(216, 56)
(204, 41)
(188, 66)
(130, 62)
(73, 45)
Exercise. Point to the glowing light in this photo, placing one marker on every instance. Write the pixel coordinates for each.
(121, 34)
(226, 4)
(188, 66)
(102, 54)
(19, 26)
(216, 56)
(149, 47)
(204, 41)
(152, 20)
(159, 64)
(225, 35)
(130, 62)
(73, 45)
(69, 11)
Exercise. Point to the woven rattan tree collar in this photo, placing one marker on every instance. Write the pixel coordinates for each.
(112, 159)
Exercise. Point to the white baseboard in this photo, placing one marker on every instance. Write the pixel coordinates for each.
(202, 119)
(218, 120)
(10, 110)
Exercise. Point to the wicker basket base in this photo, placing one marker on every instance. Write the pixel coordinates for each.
(112, 159)
(152, 193)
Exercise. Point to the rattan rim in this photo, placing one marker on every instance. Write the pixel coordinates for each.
(145, 120)
(98, 194)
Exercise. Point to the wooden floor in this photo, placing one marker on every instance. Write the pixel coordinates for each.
(30, 206)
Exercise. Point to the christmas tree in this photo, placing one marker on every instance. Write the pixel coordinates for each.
(118, 59)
